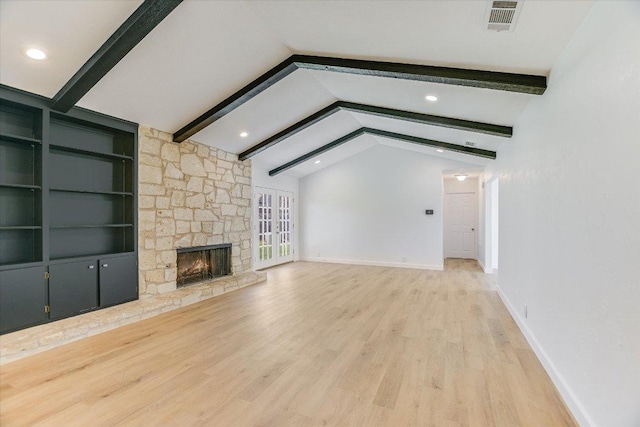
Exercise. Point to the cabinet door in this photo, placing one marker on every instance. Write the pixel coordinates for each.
(118, 280)
(73, 288)
(23, 295)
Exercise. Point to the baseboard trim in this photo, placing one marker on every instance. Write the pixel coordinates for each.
(577, 410)
(485, 269)
(374, 263)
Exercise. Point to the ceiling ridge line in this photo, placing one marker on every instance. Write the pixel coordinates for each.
(390, 113)
(385, 134)
(494, 80)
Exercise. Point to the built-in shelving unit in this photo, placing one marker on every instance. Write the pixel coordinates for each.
(100, 206)
(67, 211)
(20, 184)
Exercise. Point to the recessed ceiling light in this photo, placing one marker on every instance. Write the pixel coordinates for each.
(431, 98)
(316, 162)
(461, 176)
(36, 54)
(439, 150)
(244, 134)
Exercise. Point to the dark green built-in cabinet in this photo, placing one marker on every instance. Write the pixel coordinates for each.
(68, 211)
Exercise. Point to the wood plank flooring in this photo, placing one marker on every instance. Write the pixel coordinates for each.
(316, 345)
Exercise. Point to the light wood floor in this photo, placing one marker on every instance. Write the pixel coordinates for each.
(318, 344)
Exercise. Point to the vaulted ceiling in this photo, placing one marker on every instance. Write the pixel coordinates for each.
(205, 51)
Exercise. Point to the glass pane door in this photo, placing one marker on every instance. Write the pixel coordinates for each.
(265, 226)
(285, 251)
(273, 227)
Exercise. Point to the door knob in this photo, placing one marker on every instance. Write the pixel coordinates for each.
(91, 267)
(105, 265)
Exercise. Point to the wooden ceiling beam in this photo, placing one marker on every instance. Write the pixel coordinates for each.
(523, 83)
(385, 134)
(127, 36)
(478, 152)
(426, 119)
(317, 152)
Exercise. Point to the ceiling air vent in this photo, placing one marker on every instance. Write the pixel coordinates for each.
(502, 15)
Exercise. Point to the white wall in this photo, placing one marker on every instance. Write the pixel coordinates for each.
(570, 219)
(260, 178)
(370, 209)
(469, 185)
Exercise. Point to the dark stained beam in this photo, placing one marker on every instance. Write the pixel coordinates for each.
(511, 82)
(523, 83)
(261, 84)
(427, 119)
(131, 32)
(291, 130)
(392, 135)
(432, 143)
(317, 152)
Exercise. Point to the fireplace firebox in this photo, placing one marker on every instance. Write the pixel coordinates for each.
(202, 263)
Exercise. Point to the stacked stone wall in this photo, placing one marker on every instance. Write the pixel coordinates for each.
(189, 194)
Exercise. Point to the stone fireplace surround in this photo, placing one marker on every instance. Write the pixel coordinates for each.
(189, 195)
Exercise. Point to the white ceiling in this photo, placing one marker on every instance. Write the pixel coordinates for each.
(206, 50)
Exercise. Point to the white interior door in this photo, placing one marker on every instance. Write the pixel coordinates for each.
(460, 224)
(273, 227)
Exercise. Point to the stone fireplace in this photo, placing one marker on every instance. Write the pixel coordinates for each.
(190, 195)
(203, 263)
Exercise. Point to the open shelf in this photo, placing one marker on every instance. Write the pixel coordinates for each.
(100, 175)
(57, 227)
(111, 193)
(17, 139)
(22, 227)
(72, 242)
(91, 153)
(20, 206)
(73, 134)
(20, 164)
(20, 123)
(20, 245)
(20, 186)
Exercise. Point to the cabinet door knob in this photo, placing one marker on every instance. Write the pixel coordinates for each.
(105, 265)
(91, 267)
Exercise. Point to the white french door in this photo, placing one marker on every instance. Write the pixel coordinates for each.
(273, 227)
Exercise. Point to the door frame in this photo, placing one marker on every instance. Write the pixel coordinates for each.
(446, 217)
(491, 222)
(276, 258)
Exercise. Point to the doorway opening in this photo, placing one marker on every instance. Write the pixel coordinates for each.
(460, 218)
(273, 227)
(492, 203)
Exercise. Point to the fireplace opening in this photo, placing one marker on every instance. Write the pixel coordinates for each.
(203, 263)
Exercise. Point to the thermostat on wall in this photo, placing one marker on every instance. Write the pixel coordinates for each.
(429, 211)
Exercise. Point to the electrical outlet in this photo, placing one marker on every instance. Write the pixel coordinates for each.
(404, 259)
(525, 311)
